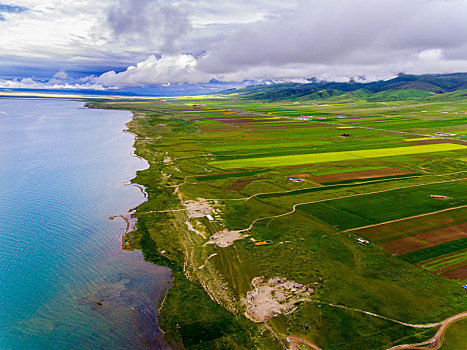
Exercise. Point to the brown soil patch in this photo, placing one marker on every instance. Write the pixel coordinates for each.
(279, 127)
(273, 297)
(240, 184)
(364, 174)
(301, 176)
(191, 228)
(405, 245)
(245, 120)
(167, 160)
(197, 209)
(217, 129)
(229, 116)
(225, 238)
(446, 234)
(434, 141)
(439, 260)
(416, 225)
(457, 274)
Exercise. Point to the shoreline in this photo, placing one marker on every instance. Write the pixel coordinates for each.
(130, 219)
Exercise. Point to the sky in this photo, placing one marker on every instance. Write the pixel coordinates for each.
(213, 44)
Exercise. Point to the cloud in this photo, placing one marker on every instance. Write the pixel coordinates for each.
(61, 74)
(200, 40)
(29, 83)
(355, 34)
(149, 21)
(4, 8)
(168, 68)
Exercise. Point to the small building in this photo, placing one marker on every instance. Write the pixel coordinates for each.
(209, 217)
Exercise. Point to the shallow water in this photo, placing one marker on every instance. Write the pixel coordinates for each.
(65, 283)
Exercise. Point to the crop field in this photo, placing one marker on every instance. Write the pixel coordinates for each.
(357, 175)
(334, 156)
(446, 262)
(417, 234)
(411, 227)
(310, 188)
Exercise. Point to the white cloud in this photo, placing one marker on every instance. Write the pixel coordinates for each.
(29, 83)
(61, 74)
(169, 68)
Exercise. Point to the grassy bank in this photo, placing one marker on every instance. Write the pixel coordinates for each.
(187, 147)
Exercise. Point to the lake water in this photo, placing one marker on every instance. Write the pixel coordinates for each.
(63, 170)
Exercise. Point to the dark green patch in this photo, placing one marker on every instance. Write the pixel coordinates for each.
(433, 252)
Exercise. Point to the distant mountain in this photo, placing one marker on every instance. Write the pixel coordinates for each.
(403, 87)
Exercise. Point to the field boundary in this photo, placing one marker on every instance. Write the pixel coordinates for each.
(407, 218)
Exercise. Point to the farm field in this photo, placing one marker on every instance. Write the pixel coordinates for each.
(343, 228)
(411, 238)
(334, 156)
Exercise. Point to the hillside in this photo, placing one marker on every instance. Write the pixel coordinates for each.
(403, 87)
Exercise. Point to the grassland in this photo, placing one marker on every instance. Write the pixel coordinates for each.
(202, 154)
(454, 337)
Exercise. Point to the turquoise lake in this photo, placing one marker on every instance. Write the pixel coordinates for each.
(65, 282)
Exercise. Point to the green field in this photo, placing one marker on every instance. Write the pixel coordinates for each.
(433, 252)
(335, 156)
(358, 211)
(445, 262)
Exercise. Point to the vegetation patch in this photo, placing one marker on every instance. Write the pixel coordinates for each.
(227, 175)
(360, 211)
(240, 184)
(436, 251)
(411, 227)
(334, 156)
(457, 274)
(363, 174)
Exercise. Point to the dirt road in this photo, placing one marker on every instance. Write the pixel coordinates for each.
(294, 341)
(294, 207)
(435, 342)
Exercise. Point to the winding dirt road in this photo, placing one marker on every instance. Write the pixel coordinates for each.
(294, 341)
(437, 340)
(433, 343)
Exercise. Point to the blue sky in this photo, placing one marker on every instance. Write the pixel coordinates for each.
(159, 44)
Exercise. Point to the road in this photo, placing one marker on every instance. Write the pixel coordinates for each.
(437, 340)
(433, 343)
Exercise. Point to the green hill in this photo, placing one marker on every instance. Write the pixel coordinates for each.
(403, 87)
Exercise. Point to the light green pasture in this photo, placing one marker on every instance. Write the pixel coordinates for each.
(334, 156)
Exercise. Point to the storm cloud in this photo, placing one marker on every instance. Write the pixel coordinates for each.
(149, 21)
(346, 33)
